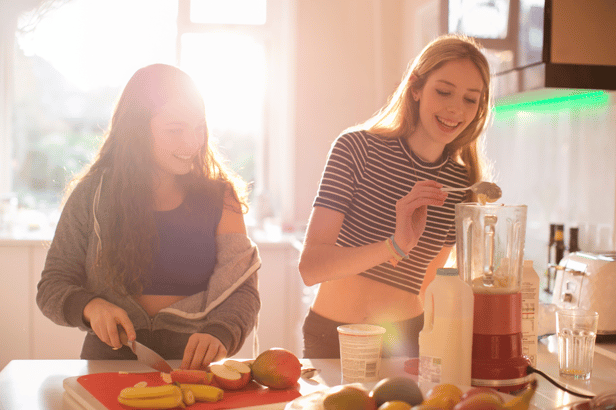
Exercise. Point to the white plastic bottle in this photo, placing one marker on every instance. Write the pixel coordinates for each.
(446, 341)
(530, 311)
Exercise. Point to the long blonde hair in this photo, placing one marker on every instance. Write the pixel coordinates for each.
(399, 117)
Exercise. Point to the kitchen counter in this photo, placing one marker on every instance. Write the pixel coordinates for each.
(38, 384)
(603, 376)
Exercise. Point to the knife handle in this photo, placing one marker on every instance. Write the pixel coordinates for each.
(123, 336)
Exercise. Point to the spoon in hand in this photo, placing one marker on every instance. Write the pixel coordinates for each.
(490, 190)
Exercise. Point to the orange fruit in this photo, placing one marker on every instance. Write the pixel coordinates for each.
(395, 405)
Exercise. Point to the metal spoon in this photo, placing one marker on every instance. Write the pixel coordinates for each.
(309, 373)
(491, 191)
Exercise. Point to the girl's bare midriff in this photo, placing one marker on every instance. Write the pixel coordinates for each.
(155, 303)
(357, 299)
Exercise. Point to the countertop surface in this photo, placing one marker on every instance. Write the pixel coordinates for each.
(607, 348)
(38, 384)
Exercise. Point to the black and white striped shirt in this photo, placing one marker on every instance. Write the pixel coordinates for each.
(364, 178)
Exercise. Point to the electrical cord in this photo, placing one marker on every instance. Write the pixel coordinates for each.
(531, 369)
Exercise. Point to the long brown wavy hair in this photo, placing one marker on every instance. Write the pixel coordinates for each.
(399, 117)
(126, 160)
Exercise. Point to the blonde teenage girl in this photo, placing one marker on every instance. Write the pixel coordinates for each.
(381, 225)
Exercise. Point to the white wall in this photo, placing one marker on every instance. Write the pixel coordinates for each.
(351, 55)
(561, 162)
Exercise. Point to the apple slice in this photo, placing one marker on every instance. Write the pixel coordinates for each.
(231, 374)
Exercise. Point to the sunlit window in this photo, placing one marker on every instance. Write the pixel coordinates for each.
(230, 71)
(70, 67)
(479, 18)
(228, 11)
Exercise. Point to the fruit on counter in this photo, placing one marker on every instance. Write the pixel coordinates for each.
(203, 392)
(490, 401)
(480, 401)
(397, 388)
(395, 405)
(522, 401)
(149, 392)
(276, 368)
(424, 407)
(191, 376)
(443, 396)
(346, 397)
(231, 374)
(477, 390)
(188, 397)
(156, 397)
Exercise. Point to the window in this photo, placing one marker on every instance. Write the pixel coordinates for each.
(69, 68)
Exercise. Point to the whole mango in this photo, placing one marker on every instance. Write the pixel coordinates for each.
(397, 388)
(476, 390)
(276, 368)
(443, 396)
(346, 397)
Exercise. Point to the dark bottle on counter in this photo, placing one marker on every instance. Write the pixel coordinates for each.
(551, 243)
(573, 240)
(556, 254)
(559, 244)
(550, 262)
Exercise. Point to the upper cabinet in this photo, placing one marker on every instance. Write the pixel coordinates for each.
(536, 44)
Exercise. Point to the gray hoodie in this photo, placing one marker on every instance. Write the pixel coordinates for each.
(228, 309)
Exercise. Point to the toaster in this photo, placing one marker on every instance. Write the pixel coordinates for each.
(588, 281)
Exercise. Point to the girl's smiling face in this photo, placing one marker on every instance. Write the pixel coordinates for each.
(178, 133)
(448, 102)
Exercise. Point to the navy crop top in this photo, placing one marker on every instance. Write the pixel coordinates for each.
(186, 257)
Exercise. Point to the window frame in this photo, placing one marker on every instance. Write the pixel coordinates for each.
(274, 172)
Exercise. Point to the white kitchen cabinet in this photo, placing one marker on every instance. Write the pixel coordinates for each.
(26, 334)
(282, 309)
(15, 302)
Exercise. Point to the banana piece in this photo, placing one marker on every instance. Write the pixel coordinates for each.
(150, 392)
(161, 402)
(522, 402)
(204, 392)
(188, 397)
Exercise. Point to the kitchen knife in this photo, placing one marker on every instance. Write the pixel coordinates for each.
(145, 355)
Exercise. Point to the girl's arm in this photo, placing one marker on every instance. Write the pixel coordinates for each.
(232, 219)
(227, 325)
(438, 262)
(321, 260)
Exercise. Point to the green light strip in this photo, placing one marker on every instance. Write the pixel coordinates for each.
(586, 100)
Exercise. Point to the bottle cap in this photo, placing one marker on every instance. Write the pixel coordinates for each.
(447, 271)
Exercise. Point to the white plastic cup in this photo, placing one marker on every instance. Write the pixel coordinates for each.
(360, 352)
(577, 331)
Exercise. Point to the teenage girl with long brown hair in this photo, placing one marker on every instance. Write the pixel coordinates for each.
(152, 239)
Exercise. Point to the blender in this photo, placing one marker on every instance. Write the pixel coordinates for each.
(490, 254)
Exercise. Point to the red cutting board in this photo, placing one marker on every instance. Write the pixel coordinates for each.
(105, 387)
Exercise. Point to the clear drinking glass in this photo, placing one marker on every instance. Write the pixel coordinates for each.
(577, 331)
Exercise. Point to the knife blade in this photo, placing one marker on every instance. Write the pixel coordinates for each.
(145, 355)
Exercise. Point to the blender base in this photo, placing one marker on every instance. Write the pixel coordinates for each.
(499, 364)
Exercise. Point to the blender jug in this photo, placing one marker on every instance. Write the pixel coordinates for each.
(490, 255)
(490, 246)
